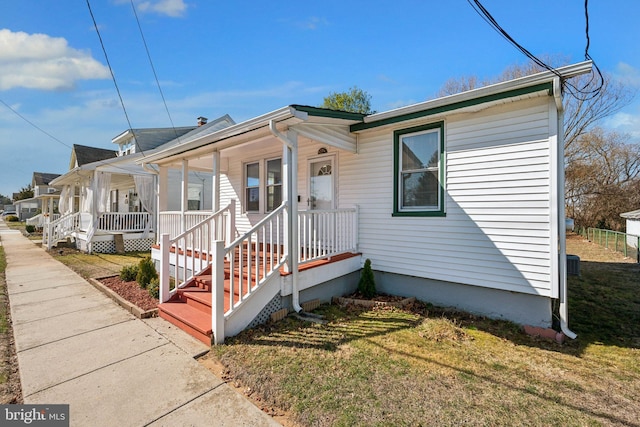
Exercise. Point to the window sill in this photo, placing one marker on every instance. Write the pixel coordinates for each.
(420, 214)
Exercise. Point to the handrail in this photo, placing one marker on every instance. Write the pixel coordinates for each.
(60, 228)
(192, 249)
(255, 256)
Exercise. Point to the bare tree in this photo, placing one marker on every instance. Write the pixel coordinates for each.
(582, 112)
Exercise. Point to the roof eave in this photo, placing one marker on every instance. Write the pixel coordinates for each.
(514, 86)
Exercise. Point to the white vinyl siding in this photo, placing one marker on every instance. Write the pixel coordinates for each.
(496, 232)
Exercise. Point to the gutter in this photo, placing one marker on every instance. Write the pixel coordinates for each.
(292, 146)
(562, 229)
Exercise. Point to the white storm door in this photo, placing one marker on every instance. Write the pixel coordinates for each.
(322, 183)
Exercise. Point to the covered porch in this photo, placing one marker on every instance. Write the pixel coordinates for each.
(276, 213)
(106, 207)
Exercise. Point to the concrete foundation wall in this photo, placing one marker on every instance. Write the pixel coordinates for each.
(517, 307)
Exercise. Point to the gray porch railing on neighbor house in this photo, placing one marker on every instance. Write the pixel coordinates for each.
(627, 244)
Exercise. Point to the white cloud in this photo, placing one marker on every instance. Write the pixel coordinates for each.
(38, 61)
(172, 8)
(626, 122)
(628, 74)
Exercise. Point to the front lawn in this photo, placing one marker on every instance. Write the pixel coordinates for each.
(430, 366)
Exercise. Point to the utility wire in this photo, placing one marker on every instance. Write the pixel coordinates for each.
(33, 124)
(155, 75)
(582, 93)
(113, 77)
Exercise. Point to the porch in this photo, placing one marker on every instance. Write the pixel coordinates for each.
(112, 232)
(214, 285)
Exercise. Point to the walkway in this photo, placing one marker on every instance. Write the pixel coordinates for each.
(76, 346)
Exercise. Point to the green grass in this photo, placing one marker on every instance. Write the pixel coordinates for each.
(430, 366)
(3, 293)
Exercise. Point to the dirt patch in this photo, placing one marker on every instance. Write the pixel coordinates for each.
(131, 291)
(10, 387)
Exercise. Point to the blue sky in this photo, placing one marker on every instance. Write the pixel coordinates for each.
(246, 58)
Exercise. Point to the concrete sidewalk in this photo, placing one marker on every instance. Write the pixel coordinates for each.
(76, 346)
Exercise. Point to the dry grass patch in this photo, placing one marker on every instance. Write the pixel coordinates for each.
(429, 366)
(96, 265)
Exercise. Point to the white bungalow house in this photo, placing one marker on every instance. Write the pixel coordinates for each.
(44, 203)
(458, 201)
(108, 205)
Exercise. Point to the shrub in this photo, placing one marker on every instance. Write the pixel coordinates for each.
(367, 283)
(154, 288)
(146, 272)
(11, 218)
(30, 228)
(129, 273)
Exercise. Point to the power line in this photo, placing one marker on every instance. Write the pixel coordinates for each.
(113, 77)
(582, 93)
(34, 125)
(155, 75)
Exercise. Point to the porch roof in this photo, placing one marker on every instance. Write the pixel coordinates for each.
(121, 165)
(318, 123)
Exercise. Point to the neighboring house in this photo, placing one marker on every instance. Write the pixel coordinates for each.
(457, 201)
(633, 227)
(44, 202)
(108, 204)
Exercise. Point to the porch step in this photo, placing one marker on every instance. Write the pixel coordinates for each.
(193, 321)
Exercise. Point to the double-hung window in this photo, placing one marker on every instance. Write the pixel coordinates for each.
(263, 179)
(252, 187)
(419, 171)
(274, 184)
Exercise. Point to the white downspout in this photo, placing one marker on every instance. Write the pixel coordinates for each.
(562, 229)
(292, 191)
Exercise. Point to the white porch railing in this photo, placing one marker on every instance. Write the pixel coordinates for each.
(40, 220)
(191, 250)
(325, 233)
(171, 222)
(253, 258)
(59, 229)
(123, 222)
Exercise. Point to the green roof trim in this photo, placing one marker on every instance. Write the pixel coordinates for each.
(325, 112)
(454, 106)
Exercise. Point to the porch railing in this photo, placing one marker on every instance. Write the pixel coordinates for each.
(326, 233)
(123, 222)
(253, 258)
(60, 229)
(40, 220)
(171, 222)
(192, 249)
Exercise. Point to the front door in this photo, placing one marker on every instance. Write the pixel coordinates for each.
(322, 183)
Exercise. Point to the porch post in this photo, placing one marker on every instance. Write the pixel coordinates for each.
(215, 195)
(164, 267)
(162, 191)
(185, 193)
(217, 293)
(286, 195)
(215, 187)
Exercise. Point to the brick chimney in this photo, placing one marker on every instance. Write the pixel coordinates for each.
(202, 121)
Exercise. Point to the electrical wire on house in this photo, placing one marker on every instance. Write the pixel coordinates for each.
(583, 93)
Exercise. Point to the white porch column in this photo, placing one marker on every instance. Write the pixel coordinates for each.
(185, 193)
(50, 206)
(162, 202)
(215, 187)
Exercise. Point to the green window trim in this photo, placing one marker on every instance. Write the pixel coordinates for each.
(398, 211)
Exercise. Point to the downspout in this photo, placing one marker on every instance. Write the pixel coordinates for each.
(562, 229)
(292, 146)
